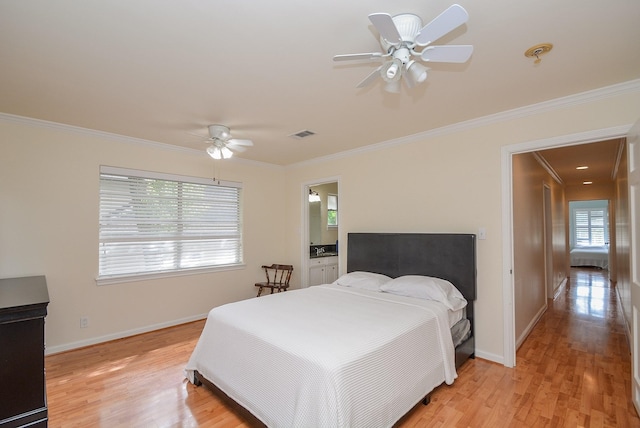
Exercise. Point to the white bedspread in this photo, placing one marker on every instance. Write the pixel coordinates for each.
(590, 256)
(326, 356)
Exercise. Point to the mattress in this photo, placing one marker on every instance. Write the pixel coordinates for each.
(326, 356)
(590, 256)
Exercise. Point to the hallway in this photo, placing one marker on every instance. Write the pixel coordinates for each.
(573, 370)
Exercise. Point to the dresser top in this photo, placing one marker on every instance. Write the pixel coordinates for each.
(29, 290)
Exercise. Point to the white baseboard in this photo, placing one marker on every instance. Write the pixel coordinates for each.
(530, 327)
(119, 335)
(491, 357)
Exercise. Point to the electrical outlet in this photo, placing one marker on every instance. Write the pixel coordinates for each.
(84, 322)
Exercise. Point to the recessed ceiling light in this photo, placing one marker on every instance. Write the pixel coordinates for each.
(582, 167)
(587, 182)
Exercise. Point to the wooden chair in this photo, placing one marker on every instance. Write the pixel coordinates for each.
(278, 277)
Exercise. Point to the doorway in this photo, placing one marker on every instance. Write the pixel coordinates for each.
(509, 315)
(320, 227)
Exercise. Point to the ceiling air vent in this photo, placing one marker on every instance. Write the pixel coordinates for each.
(302, 134)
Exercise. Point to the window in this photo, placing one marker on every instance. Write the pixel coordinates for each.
(157, 224)
(590, 227)
(332, 210)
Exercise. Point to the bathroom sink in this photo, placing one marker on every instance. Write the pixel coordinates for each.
(325, 254)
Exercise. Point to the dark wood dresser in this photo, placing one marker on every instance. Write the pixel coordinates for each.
(23, 306)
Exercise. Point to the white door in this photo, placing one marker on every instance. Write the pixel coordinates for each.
(633, 140)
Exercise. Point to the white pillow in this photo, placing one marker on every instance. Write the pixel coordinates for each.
(364, 280)
(427, 287)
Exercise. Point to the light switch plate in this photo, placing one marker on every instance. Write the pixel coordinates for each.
(482, 233)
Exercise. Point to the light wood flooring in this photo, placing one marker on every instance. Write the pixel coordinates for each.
(572, 371)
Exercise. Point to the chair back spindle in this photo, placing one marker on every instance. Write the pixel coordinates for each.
(278, 277)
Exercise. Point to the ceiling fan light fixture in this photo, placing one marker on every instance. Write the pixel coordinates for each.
(214, 152)
(408, 25)
(392, 71)
(219, 131)
(393, 87)
(226, 153)
(222, 145)
(400, 35)
(417, 71)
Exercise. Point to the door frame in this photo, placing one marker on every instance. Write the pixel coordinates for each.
(304, 233)
(633, 171)
(507, 152)
(548, 241)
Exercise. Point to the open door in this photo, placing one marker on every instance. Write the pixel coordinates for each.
(633, 141)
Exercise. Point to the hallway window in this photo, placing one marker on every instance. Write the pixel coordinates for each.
(590, 224)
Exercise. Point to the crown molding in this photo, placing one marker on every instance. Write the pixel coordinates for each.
(39, 123)
(631, 86)
(552, 172)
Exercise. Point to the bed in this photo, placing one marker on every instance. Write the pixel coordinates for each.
(593, 256)
(346, 355)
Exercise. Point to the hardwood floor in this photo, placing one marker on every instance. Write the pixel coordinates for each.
(572, 371)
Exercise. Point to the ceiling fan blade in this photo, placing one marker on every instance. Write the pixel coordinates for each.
(202, 137)
(442, 24)
(386, 27)
(447, 53)
(235, 142)
(349, 57)
(370, 78)
(235, 147)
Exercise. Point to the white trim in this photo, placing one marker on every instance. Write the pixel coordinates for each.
(543, 163)
(490, 357)
(104, 169)
(122, 334)
(531, 325)
(120, 279)
(509, 347)
(507, 217)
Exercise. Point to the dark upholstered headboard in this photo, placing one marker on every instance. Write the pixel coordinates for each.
(450, 256)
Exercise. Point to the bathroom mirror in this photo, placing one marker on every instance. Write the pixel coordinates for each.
(322, 214)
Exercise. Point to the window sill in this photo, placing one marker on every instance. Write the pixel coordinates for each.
(119, 279)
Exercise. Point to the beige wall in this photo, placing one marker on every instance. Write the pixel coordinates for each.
(530, 291)
(49, 180)
(444, 181)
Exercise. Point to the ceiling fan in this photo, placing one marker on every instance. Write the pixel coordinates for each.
(222, 145)
(402, 37)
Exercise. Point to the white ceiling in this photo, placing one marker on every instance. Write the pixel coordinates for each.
(163, 70)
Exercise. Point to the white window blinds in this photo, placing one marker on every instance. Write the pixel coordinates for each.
(154, 223)
(590, 227)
